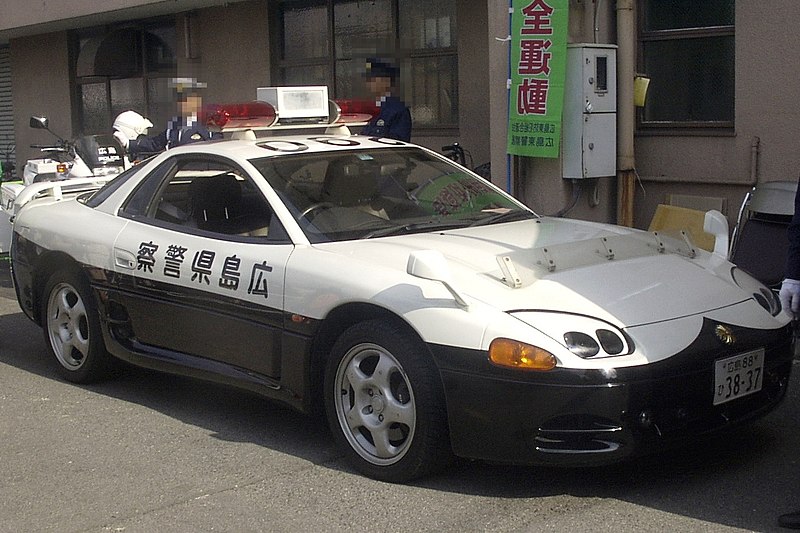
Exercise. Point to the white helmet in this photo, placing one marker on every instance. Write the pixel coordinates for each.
(131, 124)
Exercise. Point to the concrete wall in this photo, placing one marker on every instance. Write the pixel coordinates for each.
(39, 86)
(21, 13)
(232, 45)
(20, 18)
(473, 80)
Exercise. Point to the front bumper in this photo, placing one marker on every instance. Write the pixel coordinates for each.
(576, 417)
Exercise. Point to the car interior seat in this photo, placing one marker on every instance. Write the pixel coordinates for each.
(215, 201)
(349, 182)
(217, 206)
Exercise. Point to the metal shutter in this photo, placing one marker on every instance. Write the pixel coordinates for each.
(6, 111)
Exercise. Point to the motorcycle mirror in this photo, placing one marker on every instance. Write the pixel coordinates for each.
(40, 123)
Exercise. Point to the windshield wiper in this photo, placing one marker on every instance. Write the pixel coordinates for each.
(417, 227)
(508, 216)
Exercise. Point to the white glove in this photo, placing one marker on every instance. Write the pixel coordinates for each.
(790, 296)
(123, 140)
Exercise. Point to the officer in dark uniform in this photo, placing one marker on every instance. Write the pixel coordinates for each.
(790, 300)
(394, 119)
(182, 129)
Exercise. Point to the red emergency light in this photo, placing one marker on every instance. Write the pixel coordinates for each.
(357, 110)
(247, 115)
(259, 115)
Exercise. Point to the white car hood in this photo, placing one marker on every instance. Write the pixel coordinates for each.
(626, 277)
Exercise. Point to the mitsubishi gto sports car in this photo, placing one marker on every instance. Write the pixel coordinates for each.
(429, 313)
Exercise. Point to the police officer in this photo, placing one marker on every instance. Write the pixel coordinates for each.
(129, 126)
(790, 300)
(394, 119)
(182, 129)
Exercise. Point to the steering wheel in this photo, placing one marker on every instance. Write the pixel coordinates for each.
(314, 207)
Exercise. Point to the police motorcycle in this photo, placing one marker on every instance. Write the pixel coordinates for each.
(85, 156)
(67, 166)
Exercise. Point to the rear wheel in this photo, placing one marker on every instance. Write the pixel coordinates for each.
(385, 404)
(72, 328)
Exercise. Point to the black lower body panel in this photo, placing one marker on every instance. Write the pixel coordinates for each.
(575, 417)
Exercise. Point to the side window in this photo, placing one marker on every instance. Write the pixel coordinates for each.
(206, 196)
(137, 204)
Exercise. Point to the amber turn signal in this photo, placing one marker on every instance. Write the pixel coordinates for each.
(520, 356)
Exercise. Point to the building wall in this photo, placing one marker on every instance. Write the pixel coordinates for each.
(22, 17)
(232, 44)
(497, 18)
(229, 47)
(473, 86)
(473, 80)
(40, 86)
(20, 13)
(767, 94)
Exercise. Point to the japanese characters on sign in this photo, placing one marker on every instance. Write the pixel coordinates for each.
(538, 68)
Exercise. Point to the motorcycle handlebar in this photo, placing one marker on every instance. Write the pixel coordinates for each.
(455, 152)
(49, 147)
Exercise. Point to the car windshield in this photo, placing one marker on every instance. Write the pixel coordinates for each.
(373, 193)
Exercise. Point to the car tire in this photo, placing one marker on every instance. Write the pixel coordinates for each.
(384, 403)
(72, 328)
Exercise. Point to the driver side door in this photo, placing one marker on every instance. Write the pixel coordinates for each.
(201, 265)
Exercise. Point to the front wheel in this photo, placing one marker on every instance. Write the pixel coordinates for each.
(72, 328)
(385, 404)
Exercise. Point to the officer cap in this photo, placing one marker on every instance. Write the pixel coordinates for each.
(186, 85)
(377, 68)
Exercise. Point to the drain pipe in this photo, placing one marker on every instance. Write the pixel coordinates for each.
(755, 150)
(626, 117)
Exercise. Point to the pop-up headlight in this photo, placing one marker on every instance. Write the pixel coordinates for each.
(761, 294)
(584, 336)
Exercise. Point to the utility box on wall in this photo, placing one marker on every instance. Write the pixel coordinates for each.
(589, 145)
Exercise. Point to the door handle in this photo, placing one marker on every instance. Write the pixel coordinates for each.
(124, 259)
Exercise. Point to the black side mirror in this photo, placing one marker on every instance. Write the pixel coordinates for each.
(40, 123)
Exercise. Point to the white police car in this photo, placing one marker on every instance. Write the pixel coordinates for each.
(430, 313)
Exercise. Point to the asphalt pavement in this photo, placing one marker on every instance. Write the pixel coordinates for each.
(152, 452)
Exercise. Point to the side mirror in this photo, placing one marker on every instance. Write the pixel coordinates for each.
(431, 264)
(40, 123)
(716, 224)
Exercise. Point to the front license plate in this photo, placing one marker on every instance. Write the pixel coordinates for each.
(738, 376)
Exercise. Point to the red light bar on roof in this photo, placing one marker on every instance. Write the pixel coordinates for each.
(356, 110)
(241, 116)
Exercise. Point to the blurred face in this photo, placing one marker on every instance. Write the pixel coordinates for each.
(189, 104)
(379, 86)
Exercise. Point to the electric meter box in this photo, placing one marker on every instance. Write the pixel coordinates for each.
(589, 144)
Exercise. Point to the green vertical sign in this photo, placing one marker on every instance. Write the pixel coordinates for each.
(538, 68)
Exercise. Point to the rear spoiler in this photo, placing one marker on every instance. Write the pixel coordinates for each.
(58, 190)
